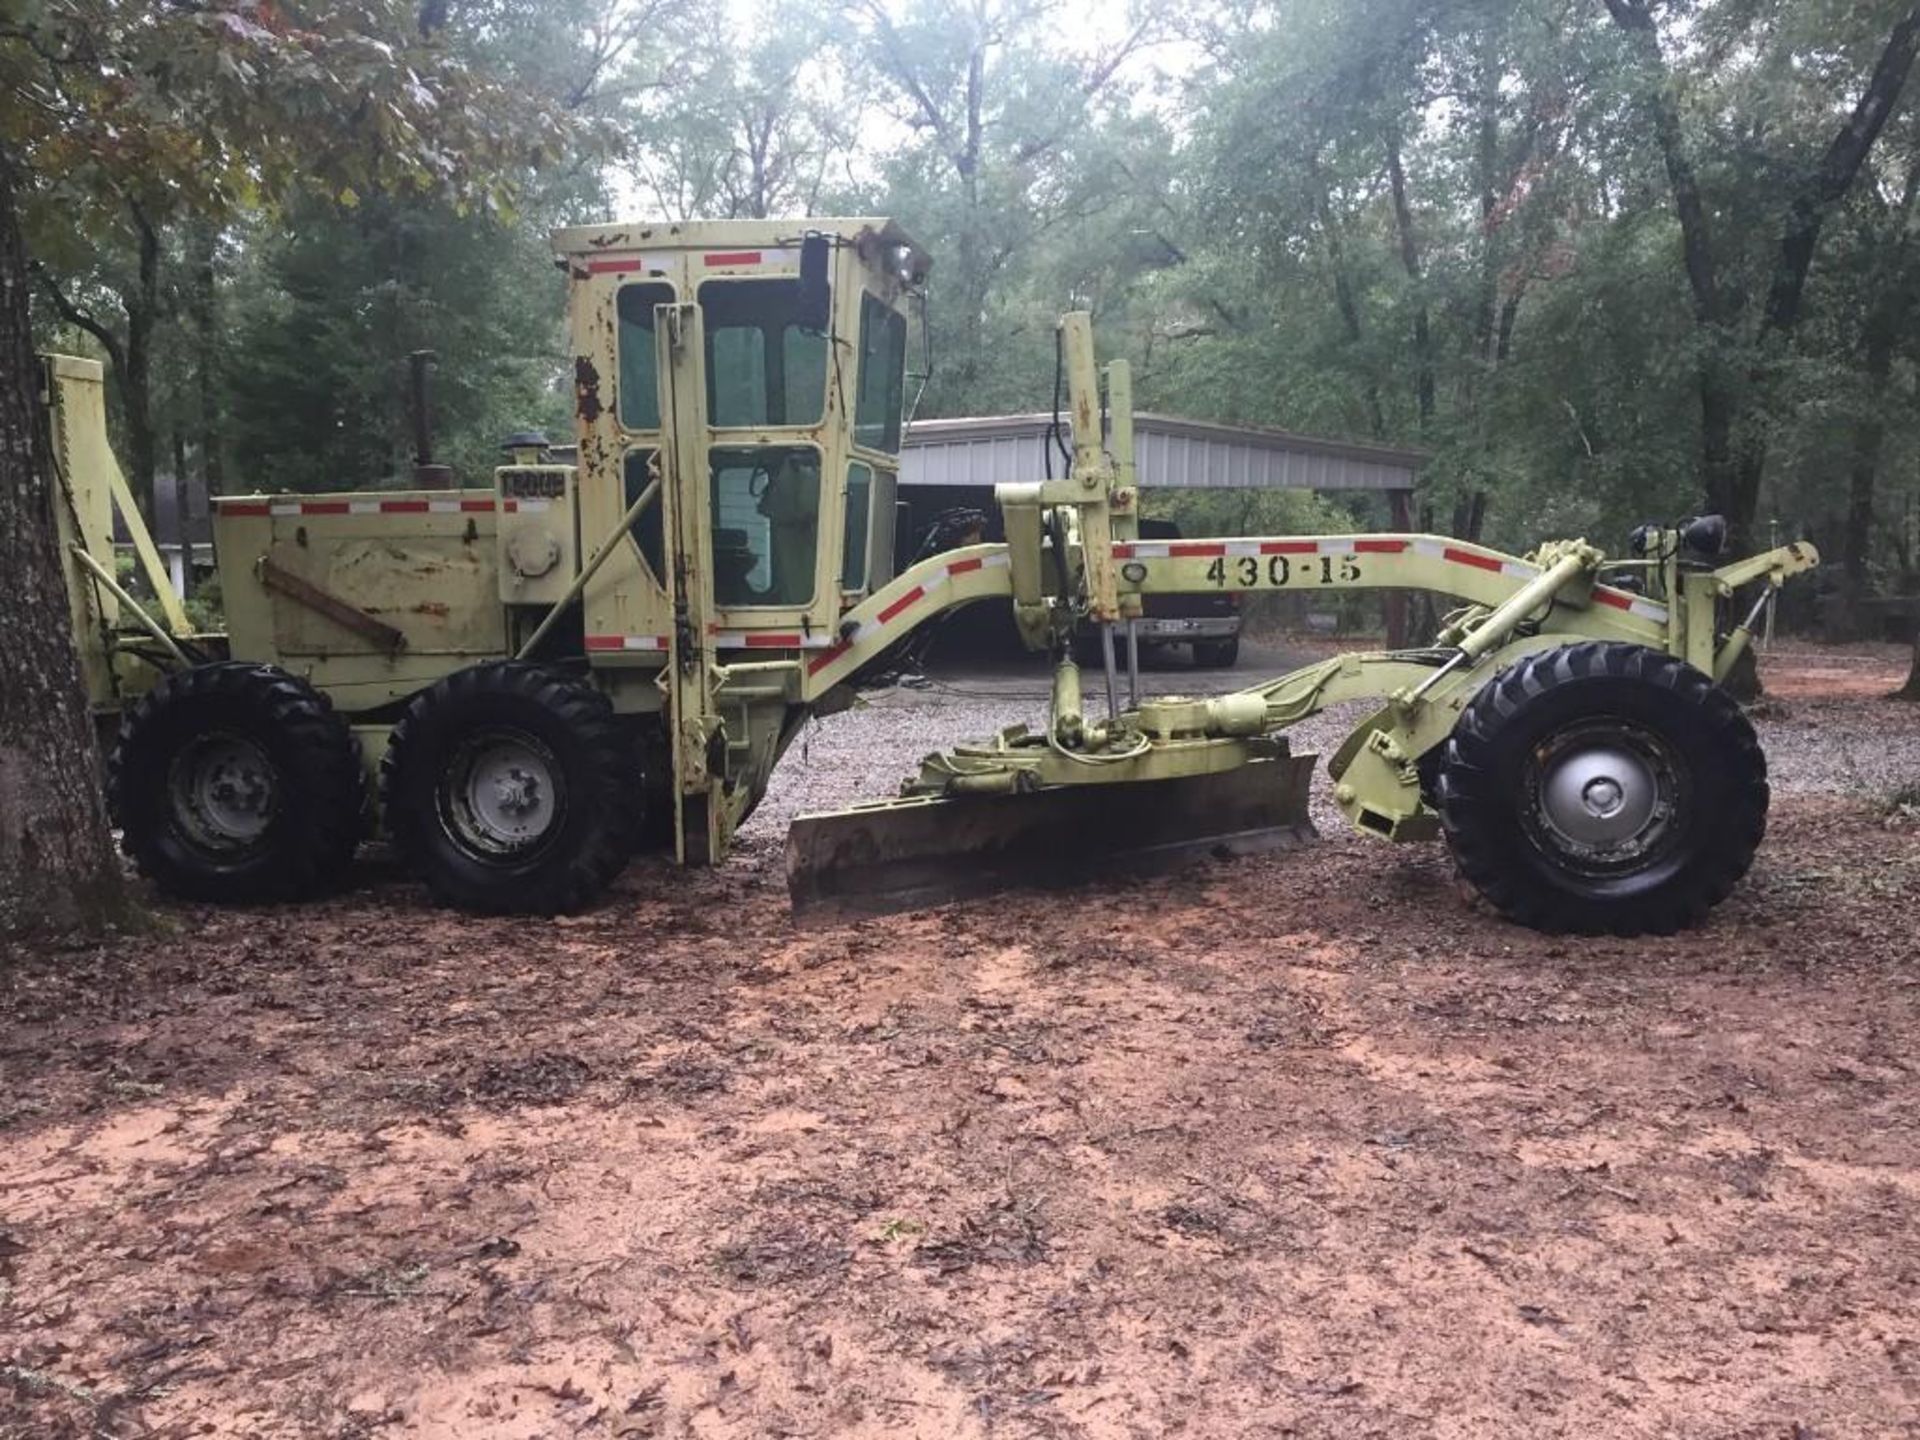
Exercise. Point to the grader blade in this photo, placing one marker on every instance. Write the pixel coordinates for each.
(920, 851)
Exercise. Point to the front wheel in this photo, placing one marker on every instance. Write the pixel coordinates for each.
(512, 789)
(1603, 788)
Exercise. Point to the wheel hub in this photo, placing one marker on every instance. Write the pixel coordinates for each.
(503, 794)
(1603, 797)
(224, 791)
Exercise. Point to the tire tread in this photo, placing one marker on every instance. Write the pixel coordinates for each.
(1476, 820)
(564, 882)
(327, 782)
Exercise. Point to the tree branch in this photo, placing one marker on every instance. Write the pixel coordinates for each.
(901, 68)
(75, 316)
(1834, 175)
(1695, 237)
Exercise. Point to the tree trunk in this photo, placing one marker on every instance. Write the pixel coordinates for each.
(1720, 479)
(142, 305)
(1882, 330)
(1410, 259)
(1911, 690)
(1487, 164)
(1732, 478)
(58, 870)
(207, 363)
(1827, 185)
(1815, 198)
(1721, 474)
(1343, 297)
(1896, 297)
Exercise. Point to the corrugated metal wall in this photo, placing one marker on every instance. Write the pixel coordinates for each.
(1173, 454)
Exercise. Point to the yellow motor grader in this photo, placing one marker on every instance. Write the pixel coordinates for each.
(523, 684)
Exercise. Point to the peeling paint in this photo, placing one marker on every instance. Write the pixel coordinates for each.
(586, 389)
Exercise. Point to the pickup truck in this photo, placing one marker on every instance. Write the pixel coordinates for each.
(1210, 623)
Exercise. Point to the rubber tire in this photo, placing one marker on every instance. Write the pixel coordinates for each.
(1216, 654)
(1481, 787)
(594, 750)
(323, 789)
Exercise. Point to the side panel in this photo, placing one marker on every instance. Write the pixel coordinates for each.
(424, 563)
(539, 546)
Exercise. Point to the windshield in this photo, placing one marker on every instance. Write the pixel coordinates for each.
(762, 368)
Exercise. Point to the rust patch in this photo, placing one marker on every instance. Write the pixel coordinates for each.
(586, 389)
(436, 608)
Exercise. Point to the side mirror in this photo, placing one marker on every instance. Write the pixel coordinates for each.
(815, 308)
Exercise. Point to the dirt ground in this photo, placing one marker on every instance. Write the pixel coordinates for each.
(1298, 1145)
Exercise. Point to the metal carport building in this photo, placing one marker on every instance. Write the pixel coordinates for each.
(1171, 453)
(952, 463)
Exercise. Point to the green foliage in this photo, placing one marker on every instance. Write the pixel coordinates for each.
(218, 108)
(1026, 173)
(1446, 225)
(327, 312)
(753, 126)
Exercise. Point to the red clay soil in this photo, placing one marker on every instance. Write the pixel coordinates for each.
(1300, 1145)
(1838, 672)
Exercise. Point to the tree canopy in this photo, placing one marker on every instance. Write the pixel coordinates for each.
(1605, 260)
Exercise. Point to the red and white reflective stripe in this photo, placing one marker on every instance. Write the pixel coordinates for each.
(733, 259)
(627, 642)
(526, 507)
(767, 640)
(1238, 549)
(623, 264)
(286, 508)
(1632, 604)
(865, 630)
(1474, 559)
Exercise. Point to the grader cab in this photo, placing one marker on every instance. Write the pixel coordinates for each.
(524, 684)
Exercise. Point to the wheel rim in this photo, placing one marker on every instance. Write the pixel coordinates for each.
(503, 795)
(1604, 797)
(224, 790)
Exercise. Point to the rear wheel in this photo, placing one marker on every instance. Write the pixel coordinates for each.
(236, 782)
(1603, 788)
(512, 788)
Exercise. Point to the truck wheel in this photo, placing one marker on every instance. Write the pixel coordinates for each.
(1217, 654)
(236, 782)
(1603, 788)
(512, 789)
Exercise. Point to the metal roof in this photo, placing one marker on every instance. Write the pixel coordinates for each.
(1171, 452)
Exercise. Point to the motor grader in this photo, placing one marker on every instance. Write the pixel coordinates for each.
(521, 685)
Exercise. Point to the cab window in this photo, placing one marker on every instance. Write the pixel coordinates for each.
(762, 368)
(853, 557)
(883, 358)
(648, 528)
(639, 400)
(766, 524)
